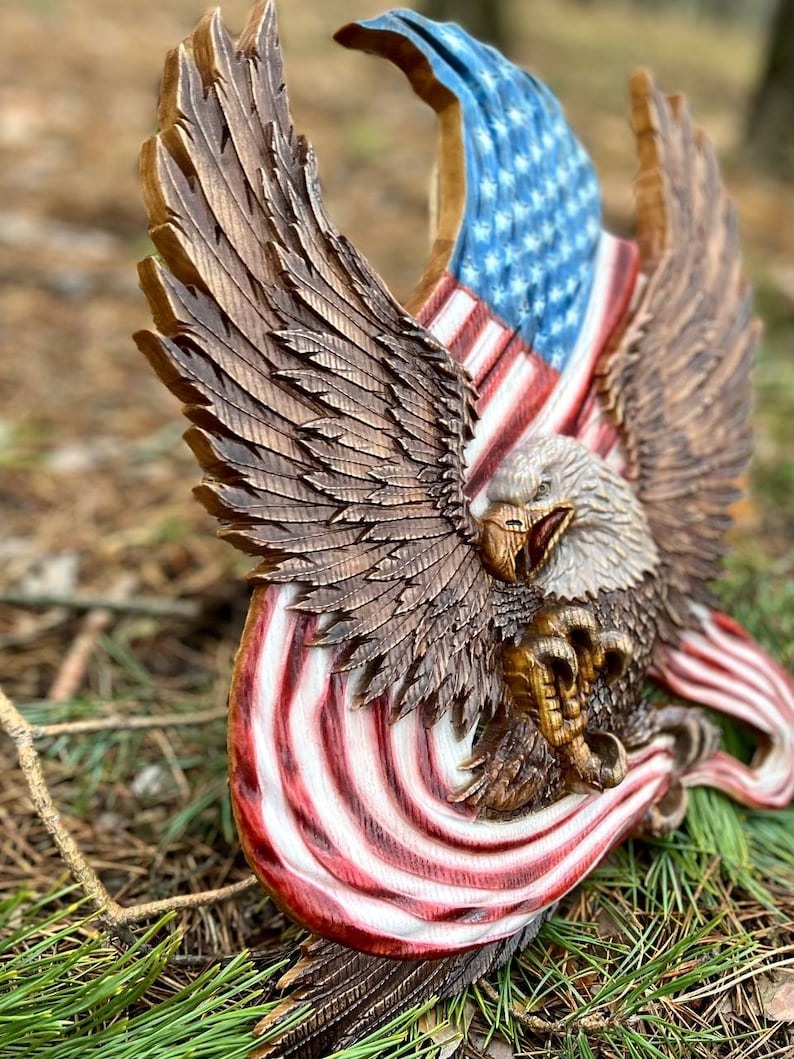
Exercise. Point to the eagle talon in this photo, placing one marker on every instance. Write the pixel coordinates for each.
(667, 814)
(695, 737)
(618, 651)
(611, 753)
(551, 676)
(695, 740)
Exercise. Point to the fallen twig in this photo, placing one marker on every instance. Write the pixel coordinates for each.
(115, 916)
(588, 1023)
(75, 662)
(152, 606)
(115, 722)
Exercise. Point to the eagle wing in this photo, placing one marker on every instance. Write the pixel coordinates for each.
(329, 424)
(677, 383)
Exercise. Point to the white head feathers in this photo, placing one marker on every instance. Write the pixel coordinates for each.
(608, 544)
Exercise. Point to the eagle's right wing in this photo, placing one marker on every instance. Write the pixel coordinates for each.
(330, 425)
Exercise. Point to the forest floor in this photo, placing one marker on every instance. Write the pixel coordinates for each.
(95, 500)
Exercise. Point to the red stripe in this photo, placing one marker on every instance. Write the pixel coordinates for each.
(437, 298)
(528, 403)
(625, 270)
(729, 625)
(462, 342)
(542, 379)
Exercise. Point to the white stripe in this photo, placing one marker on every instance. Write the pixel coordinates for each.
(750, 659)
(485, 344)
(616, 457)
(755, 692)
(452, 315)
(502, 404)
(746, 702)
(681, 675)
(769, 785)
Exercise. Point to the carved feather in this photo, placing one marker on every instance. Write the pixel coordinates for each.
(678, 381)
(349, 991)
(329, 424)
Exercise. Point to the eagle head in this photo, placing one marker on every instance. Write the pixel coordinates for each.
(560, 517)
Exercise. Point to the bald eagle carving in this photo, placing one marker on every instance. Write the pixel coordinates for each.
(334, 431)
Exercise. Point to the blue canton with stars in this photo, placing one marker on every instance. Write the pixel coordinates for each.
(532, 221)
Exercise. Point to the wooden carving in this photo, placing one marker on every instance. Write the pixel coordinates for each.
(479, 525)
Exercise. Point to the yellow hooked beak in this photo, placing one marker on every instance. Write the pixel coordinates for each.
(515, 541)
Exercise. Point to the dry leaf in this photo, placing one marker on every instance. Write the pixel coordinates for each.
(445, 1035)
(777, 997)
(499, 1049)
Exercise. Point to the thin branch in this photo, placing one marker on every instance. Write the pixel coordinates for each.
(151, 606)
(589, 1023)
(89, 882)
(115, 916)
(114, 722)
(151, 909)
(76, 660)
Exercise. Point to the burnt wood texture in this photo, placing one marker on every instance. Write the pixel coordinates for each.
(329, 423)
(331, 427)
(678, 381)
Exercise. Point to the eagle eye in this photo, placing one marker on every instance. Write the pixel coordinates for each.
(542, 490)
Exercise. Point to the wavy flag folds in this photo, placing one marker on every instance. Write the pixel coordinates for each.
(346, 817)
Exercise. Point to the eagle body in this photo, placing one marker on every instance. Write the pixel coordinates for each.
(457, 604)
(587, 545)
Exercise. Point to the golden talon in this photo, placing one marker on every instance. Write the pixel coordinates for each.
(580, 628)
(612, 754)
(565, 621)
(551, 676)
(598, 762)
(552, 653)
(542, 676)
(618, 651)
(696, 738)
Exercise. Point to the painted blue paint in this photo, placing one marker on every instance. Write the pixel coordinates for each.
(532, 223)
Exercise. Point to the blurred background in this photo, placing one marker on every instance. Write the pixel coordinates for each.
(94, 478)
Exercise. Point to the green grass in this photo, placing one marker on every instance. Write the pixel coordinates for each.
(65, 993)
(666, 928)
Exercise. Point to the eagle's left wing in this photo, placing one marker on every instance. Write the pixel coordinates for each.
(678, 381)
(330, 425)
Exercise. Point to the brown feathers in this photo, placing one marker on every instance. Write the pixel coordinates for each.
(351, 994)
(329, 424)
(677, 383)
